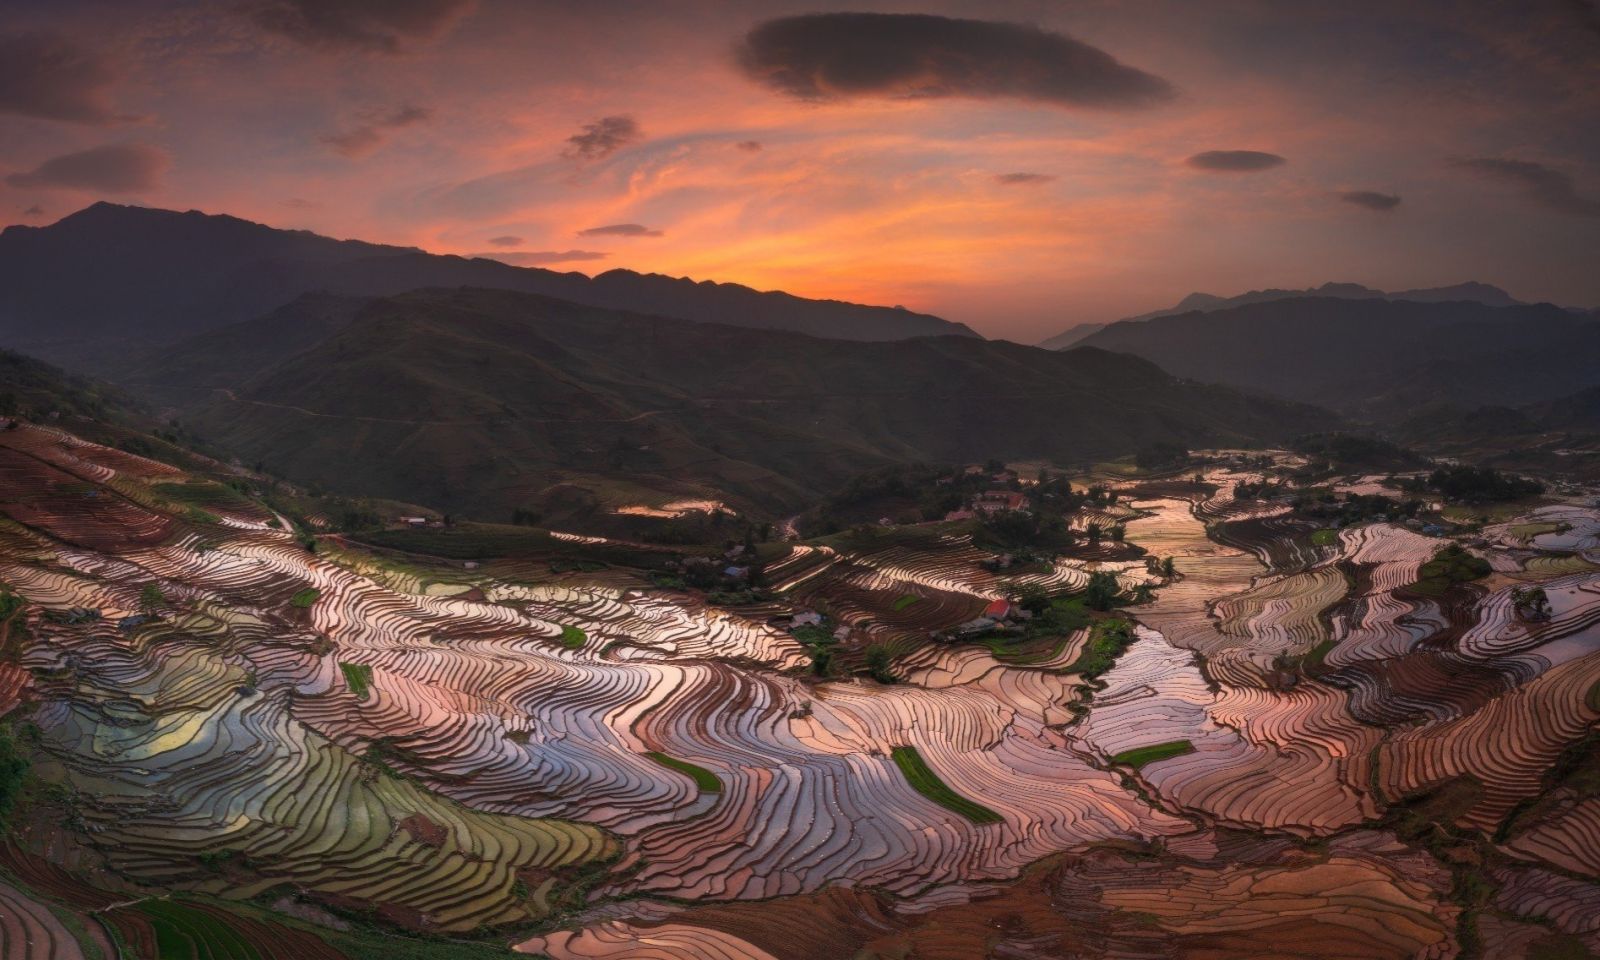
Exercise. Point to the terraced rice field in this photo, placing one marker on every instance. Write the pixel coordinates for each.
(587, 766)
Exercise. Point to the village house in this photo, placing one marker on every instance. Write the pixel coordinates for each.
(998, 501)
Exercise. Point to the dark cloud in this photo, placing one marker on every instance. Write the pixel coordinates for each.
(118, 168)
(1538, 183)
(603, 138)
(1235, 161)
(376, 26)
(749, 146)
(830, 56)
(1023, 179)
(362, 140)
(533, 258)
(507, 241)
(1588, 14)
(34, 211)
(47, 76)
(1371, 199)
(620, 230)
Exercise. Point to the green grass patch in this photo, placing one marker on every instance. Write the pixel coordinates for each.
(573, 638)
(358, 676)
(1139, 756)
(305, 598)
(203, 494)
(183, 932)
(1527, 531)
(1449, 566)
(703, 778)
(1326, 537)
(905, 600)
(1107, 641)
(927, 783)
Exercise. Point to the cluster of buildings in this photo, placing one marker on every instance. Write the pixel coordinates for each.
(998, 615)
(991, 502)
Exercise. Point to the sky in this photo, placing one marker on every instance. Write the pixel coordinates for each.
(1017, 165)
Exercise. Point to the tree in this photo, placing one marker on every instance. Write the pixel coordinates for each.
(151, 600)
(1118, 531)
(1029, 596)
(1168, 568)
(1102, 591)
(1531, 603)
(1093, 530)
(878, 664)
(13, 772)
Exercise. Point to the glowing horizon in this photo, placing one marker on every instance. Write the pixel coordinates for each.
(1232, 149)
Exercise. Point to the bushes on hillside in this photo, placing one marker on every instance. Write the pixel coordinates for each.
(1468, 484)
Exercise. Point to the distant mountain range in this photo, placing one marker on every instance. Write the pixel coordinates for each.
(1383, 360)
(1470, 292)
(479, 401)
(109, 282)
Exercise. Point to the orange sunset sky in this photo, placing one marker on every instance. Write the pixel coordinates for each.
(1053, 164)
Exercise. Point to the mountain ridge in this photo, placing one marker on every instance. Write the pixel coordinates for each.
(111, 281)
(1375, 358)
(1470, 291)
(479, 401)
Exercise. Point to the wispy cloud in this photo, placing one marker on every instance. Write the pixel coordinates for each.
(1023, 179)
(534, 258)
(1539, 183)
(1235, 161)
(115, 168)
(602, 138)
(50, 77)
(365, 138)
(620, 230)
(1371, 200)
(375, 26)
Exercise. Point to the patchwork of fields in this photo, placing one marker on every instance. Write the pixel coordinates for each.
(301, 754)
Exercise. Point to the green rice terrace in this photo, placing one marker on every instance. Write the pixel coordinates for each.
(927, 783)
(1166, 697)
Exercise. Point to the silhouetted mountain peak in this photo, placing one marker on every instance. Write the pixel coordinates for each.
(1469, 292)
(111, 277)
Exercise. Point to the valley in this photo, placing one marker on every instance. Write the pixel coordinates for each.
(545, 749)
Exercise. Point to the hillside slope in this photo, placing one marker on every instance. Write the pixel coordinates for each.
(479, 400)
(1375, 358)
(112, 282)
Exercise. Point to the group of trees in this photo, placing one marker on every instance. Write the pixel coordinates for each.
(820, 642)
(1161, 454)
(1331, 509)
(1346, 451)
(1461, 483)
